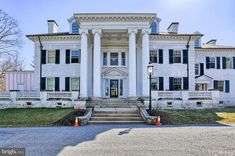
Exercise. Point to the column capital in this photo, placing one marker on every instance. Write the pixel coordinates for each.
(99, 31)
(145, 30)
(132, 30)
(85, 31)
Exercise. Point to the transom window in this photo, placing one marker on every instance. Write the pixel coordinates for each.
(153, 56)
(51, 83)
(229, 63)
(75, 56)
(75, 83)
(177, 56)
(51, 56)
(177, 83)
(114, 59)
(212, 62)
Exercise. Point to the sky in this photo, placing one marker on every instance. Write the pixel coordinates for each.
(213, 18)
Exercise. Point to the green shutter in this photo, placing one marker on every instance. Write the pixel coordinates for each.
(185, 83)
(67, 84)
(43, 84)
(43, 56)
(218, 62)
(57, 56)
(185, 56)
(227, 87)
(207, 62)
(224, 62)
(170, 56)
(160, 53)
(171, 83)
(161, 83)
(57, 84)
(67, 58)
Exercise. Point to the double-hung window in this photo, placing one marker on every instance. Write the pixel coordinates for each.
(212, 62)
(114, 59)
(153, 56)
(51, 56)
(177, 56)
(228, 63)
(74, 83)
(51, 83)
(220, 86)
(154, 84)
(75, 56)
(177, 83)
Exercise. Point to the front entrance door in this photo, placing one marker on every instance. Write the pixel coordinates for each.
(113, 88)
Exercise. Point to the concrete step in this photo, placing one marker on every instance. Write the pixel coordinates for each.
(118, 118)
(115, 114)
(115, 122)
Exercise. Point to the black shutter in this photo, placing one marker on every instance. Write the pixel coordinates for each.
(201, 69)
(170, 56)
(160, 53)
(185, 56)
(185, 83)
(224, 62)
(57, 56)
(161, 83)
(57, 84)
(215, 84)
(67, 58)
(67, 84)
(43, 56)
(43, 83)
(233, 62)
(218, 62)
(171, 83)
(207, 63)
(227, 86)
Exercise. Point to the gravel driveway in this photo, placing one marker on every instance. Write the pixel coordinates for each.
(134, 139)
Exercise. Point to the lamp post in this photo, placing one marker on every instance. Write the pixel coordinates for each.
(150, 72)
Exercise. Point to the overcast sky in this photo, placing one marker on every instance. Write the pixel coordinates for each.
(214, 18)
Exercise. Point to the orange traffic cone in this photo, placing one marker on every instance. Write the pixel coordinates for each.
(76, 124)
(158, 121)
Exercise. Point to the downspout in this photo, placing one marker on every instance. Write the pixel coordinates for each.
(40, 72)
(187, 46)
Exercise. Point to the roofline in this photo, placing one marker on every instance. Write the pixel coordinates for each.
(53, 34)
(115, 14)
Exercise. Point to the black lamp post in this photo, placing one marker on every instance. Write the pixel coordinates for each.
(150, 72)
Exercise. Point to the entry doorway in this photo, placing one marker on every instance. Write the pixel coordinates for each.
(114, 88)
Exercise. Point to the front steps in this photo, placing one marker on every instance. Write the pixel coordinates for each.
(115, 116)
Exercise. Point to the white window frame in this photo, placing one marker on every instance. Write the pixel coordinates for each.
(78, 87)
(79, 58)
(177, 51)
(151, 55)
(212, 62)
(181, 80)
(229, 63)
(49, 51)
(53, 80)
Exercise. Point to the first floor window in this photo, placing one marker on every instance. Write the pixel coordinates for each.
(177, 56)
(153, 56)
(51, 83)
(154, 84)
(75, 56)
(177, 83)
(220, 86)
(114, 59)
(105, 59)
(51, 56)
(74, 83)
(212, 62)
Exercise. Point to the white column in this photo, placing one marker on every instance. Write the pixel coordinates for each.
(97, 64)
(132, 62)
(84, 63)
(145, 61)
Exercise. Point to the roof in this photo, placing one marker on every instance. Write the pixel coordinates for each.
(52, 34)
(212, 46)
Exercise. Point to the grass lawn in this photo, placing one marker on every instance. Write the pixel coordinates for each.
(31, 117)
(206, 116)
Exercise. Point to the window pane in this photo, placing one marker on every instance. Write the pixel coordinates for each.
(75, 84)
(177, 84)
(75, 27)
(114, 59)
(177, 56)
(228, 63)
(154, 84)
(221, 86)
(75, 56)
(212, 62)
(123, 59)
(153, 56)
(105, 59)
(50, 83)
(51, 56)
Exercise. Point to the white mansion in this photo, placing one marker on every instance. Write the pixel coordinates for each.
(105, 55)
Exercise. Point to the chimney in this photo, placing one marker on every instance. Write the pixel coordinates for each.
(197, 43)
(212, 42)
(173, 28)
(52, 26)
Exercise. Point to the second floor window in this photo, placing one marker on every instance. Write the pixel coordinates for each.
(212, 62)
(51, 56)
(153, 56)
(75, 56)
(177, 56)
(229, 63)
(114, 59)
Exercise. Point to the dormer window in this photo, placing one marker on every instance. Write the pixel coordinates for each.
(75, 28)
(154, 28)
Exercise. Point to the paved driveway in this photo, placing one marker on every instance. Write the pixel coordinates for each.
(122, 140)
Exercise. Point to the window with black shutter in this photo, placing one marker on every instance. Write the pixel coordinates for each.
(57, 84)
(161, 83)
(43, 56)
(170, 56)
(227, 87)
(185, 83)
(218, 62)
(43, 84)
(57, 56)
(185, 56)
(67, 57)
(201, 69)
(224, 62)
(160, 52)
(67, 84)
(171, 83)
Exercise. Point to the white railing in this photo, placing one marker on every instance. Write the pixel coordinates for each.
(28, 94)
(63, 95)
(169, 94)
(5, 95)
(200, 94)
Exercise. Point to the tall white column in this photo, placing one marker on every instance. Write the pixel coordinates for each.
(84, 63)
(97, 64)
(145, 61)
(132, 62)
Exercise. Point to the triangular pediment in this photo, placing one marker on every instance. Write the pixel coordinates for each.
(114, 72)
(203, 79)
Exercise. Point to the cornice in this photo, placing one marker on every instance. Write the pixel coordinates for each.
(214, 50)
(55, 38)
(174, 37)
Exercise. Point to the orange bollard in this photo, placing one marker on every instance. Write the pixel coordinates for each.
(76, 124)
(158, 121)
